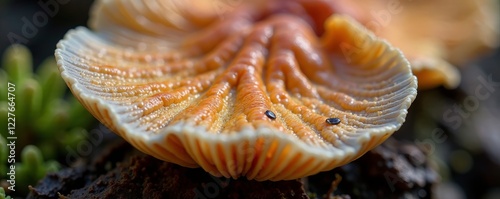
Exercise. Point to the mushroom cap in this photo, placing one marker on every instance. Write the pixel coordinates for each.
(435, 35)
(194, 86)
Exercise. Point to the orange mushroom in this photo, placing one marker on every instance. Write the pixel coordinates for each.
(252, 92)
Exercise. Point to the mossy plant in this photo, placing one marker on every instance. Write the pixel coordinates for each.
(31, 168)
(3, 156)
(47, 119)
(3, 195)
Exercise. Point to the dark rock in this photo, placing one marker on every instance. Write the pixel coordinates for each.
(136, 175)
(392, 170)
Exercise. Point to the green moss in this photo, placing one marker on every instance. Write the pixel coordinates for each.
(47, 120)
(3, 195)
(18, 63)
(3, 158)
(32, 168)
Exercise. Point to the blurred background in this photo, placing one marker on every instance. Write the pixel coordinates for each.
(460, 130)
(70, 14)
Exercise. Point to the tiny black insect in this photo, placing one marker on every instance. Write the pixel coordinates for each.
(270, 114)
(333, 120)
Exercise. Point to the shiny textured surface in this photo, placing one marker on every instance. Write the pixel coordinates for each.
(191, 85)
